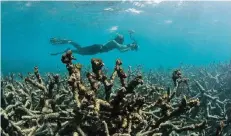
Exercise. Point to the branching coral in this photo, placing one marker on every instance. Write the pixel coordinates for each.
(141, 106)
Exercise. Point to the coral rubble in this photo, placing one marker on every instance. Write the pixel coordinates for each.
(144, 104)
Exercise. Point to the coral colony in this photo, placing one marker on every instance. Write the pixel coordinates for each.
(95, 103)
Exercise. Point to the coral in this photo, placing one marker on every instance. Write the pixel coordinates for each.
(144, 103)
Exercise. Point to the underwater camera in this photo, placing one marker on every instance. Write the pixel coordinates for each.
(135, 47)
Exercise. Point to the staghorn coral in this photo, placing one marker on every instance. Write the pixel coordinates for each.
(144, 104)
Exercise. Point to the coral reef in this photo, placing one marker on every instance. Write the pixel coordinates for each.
(98, 103)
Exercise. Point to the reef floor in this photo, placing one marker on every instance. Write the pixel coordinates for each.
(189, 101)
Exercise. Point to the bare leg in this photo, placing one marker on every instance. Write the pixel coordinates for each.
(56, 41)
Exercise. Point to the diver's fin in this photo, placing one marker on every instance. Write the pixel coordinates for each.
(56, 41)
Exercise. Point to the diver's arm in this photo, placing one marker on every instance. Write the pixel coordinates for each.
(121, 47)
(124, 50)
(75, 51)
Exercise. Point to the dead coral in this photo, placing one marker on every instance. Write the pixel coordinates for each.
(142, 106)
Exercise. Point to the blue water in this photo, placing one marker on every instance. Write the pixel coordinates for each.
(168, 33)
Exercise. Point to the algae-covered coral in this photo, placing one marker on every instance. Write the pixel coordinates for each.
(193, 101)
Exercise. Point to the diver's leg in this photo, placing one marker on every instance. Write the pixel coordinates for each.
(54, 54)
(56, 41)
(76, 45)
(90, 50)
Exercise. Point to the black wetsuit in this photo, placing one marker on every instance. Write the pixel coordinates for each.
(94, 49)
(87, 50)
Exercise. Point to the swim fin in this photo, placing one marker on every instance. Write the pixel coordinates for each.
(56, 41)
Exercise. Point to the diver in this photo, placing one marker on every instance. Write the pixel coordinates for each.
(116, 43)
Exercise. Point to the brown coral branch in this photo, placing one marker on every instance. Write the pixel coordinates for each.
(37, 75)
(184, 106)
(97, 65)
(120, 72)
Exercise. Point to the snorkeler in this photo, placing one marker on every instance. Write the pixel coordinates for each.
(116, 43)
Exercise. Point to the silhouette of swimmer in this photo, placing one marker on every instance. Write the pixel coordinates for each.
(116, 43)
